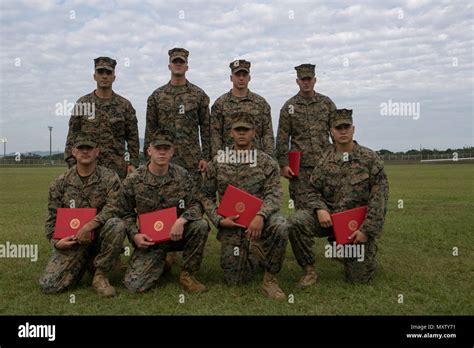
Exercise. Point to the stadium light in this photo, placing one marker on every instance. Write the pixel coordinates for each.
(4, 141)
(50, 144)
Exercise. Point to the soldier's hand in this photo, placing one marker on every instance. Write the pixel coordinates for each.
(142, 240)
(324, 218)
(229, 222)
(84, 235)
(130, 168)
(358, 237)
(202, 165)
(65, 243)
(286, 172)
(255, 228)
(177, 229)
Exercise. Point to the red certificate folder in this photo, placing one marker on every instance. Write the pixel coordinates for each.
(347, 222)
(70, 220)
(157, 224)
(238, 202)
(294, 159)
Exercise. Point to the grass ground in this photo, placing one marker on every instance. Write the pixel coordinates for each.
(415, 259)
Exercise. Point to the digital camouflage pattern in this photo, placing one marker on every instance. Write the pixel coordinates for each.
(238, 262)
(113, 124)
(147, 264)
(239, 64)
(178, 52)
(307, 122)
(340, 182)
(102, 189)
(305, 70)
(105, 63)
(262, 181)
(65, 268)
(144, 192)
(223, 113)
(183, 111)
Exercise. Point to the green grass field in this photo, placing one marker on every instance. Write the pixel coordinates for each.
(415, 259)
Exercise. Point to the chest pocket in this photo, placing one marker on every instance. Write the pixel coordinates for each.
(96, 196)
(298, 118)
(117, 126)
(165, 112)
(147, 202)
(254, 182)
(90, 125)
(360, 186)
(189, 109)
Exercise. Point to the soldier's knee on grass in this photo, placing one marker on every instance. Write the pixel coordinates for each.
(53, 286)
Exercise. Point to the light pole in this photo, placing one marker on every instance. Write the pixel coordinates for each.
(50, 144)
(4, 141)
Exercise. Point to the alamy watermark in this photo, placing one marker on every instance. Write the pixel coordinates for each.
(345, 251)
(237, 156)
(401, 109)
(66, 108)
(11, 250)
(37, 331)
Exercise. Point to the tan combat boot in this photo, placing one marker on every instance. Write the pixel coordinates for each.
(101, 284)
(189, 283)
(270, 287)
(309, 277)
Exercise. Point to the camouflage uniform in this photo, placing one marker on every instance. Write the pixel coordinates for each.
(114, 124)
(227, 106)
(66, 267)
(306, 122)
(262, 181)
(147, 192)
(183, 110)
(338, 185)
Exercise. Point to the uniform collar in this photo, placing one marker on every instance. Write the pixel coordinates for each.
(249, 96)
(103, 100)
(151, 179)
(355, 154)
(73, 178)
(169, 88)
(302, 100)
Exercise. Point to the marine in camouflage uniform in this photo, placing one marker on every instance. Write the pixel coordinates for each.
(183, 109)
(241, 254)
(230, 104)
(303, 127)
(342, 181)
(111, 121)
(99, 190)
(145, 191)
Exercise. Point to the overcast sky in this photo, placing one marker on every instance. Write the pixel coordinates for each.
(367, 54)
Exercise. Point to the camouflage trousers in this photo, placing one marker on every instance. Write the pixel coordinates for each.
(146, 264)
(299, 187)
(239, 264)
(304, 226)
(65, 268)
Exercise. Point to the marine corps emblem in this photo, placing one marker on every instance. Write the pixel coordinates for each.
(74, 224)
(158, 226)
(239, 207)
(353, 225)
